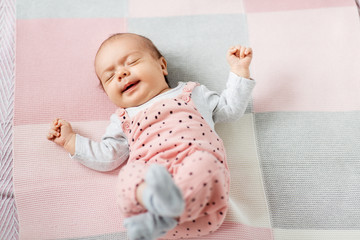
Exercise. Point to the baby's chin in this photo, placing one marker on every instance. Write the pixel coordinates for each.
(130, 104)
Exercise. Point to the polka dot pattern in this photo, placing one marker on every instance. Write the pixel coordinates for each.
(173, 133)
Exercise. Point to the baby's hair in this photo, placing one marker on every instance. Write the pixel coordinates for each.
(148, 43)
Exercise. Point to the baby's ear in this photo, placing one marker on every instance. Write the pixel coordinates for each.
(163, 64)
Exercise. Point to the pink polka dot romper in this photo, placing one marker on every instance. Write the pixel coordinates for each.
(171, 132)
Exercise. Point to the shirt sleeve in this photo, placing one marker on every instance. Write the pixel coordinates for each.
(106, 155)
(232, 102)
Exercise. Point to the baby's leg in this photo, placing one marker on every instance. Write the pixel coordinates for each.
(130, 177)
(148, 226)
(204, 182)
(160, 196)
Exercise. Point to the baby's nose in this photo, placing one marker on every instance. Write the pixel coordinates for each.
(122, 74)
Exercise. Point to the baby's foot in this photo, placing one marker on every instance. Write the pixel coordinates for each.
(148, 226)
(161, 196)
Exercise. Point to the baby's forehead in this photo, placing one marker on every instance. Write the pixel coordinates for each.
(122, 41)
(137, 43)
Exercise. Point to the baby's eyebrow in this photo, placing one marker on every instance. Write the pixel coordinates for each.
(132, 53)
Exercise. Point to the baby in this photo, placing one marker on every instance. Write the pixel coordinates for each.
(176, 180)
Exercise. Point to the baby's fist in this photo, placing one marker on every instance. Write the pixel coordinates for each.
(60, 132)
(239, 58)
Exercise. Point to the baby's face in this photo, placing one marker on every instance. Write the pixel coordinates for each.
(129, 73)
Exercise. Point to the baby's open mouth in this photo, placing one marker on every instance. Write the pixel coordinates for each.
(130, 86)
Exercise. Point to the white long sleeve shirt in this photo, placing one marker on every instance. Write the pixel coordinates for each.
(113, 149)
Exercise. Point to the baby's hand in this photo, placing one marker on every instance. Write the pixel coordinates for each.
(239, 59)
(62, 134)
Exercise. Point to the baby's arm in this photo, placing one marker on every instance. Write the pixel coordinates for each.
(63, 135)
(105, 155)
(239, 59)
(232, 102)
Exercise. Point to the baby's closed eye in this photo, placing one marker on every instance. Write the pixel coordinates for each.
(132, 61)
(109, 77)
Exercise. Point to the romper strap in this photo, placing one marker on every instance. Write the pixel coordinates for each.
(124, 119)
(121, 112)
(187, 90)
(189, 87)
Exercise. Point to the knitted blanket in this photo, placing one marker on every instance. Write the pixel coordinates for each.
(294, 156)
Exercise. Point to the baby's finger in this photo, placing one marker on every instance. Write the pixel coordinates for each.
(248, 51)
(62, 122)
(54, 133)
(50, 136)
(238, 48)
(242, 52)
(56, 123)
(232, 49)
(55, 128)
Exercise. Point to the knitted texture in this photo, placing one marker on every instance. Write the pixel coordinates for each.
(8, 218)
(293, 156)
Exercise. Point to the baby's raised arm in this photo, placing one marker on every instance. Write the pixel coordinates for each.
(63, 135)
(231, 104)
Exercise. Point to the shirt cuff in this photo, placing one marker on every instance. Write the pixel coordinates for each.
(77, 154)
(236, 80)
